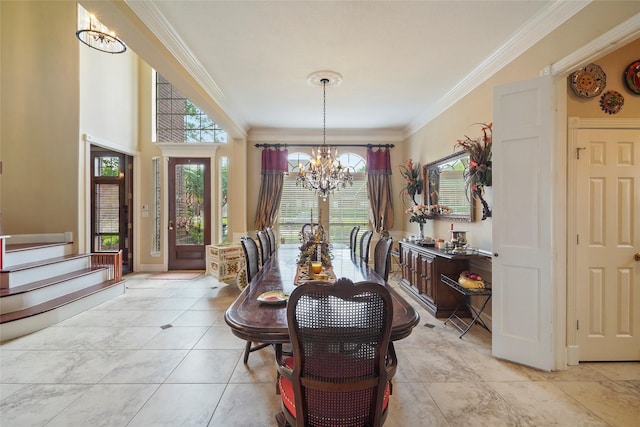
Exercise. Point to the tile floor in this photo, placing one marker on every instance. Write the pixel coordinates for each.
(116, 366)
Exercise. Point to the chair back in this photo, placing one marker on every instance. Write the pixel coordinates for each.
(340, 337)
(353, 239)
(365, 244)
(272, 238)
(250, 249)
(265, 246)
(382, 257)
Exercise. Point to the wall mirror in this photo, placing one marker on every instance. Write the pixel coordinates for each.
(445, 185)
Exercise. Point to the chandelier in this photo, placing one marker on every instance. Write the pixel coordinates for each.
(324, 173)
(96, 35)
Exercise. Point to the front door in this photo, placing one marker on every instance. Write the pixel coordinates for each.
(189, 212)
(607, 273)
(523, 302)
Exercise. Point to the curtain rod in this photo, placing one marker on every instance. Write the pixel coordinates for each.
(330, 145)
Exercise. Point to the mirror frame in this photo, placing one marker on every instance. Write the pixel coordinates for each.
(426, 193)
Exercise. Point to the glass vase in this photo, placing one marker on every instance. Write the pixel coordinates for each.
(421, 231)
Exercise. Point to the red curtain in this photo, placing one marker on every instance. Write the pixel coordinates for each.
(379, 188)
(274, 166)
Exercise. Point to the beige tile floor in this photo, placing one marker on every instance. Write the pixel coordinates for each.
(115, 365)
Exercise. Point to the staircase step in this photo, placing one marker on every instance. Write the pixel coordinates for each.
(22, 274)
(31, 319)
(23, 253)
(30, 294)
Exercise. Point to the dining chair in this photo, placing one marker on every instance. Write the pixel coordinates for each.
(265, 246)
(365, 244)
(272, 239)
(343, 360)
(353, 239)
(250, 249)
(251, 256)
(382, 257)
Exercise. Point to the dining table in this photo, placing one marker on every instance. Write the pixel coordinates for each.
(253, 320)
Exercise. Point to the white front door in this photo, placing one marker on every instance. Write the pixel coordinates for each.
(523, 303)
(607, 274)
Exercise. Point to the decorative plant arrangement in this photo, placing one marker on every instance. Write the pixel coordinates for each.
(411, 174)
(308, 252)
(478, 174)
(421, 213)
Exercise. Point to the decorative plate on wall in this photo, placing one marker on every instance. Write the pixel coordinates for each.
(589, 81)
(611, 102)
(632, 76)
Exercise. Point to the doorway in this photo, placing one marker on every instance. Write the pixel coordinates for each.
(189, 212)
(111, 198)
(606, 274)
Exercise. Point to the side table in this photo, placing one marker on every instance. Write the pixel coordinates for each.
(224, 261)
(459, 323)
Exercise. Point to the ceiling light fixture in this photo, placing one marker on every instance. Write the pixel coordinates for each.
(324, 173)
(96, 35)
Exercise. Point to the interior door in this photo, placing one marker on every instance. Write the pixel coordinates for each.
(523, 301)
(189, 212)
(608, 244)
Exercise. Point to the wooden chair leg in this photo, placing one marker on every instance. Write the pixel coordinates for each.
(248, 349)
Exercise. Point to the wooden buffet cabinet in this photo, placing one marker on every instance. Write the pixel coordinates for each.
(421, 270)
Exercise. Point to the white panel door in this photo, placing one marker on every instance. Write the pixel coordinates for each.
(608, 226)
(522, 223)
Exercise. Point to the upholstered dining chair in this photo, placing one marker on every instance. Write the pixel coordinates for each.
(353, 239)
(250, 249)
(343, 360)
(382, 257)
(365, 244)
(265, 246)
(272, 239)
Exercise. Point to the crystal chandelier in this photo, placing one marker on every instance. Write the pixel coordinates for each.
(96, 35)
(324, 173)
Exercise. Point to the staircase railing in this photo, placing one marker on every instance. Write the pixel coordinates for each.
(112, 261)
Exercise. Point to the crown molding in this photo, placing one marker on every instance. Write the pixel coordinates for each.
(547, 20)
(334, 136)
(151, 16)
(618, 36)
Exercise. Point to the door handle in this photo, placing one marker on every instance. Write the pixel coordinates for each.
(637, 256)
(170, 225)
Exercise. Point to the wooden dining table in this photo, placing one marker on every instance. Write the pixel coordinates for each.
(257, 321)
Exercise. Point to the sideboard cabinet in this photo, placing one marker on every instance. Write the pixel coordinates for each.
(421, 270)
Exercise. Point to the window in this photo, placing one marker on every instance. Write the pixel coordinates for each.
(180, 120)
(107, 194)
(296, 203)
(224, 205)
(348, 207)
(155, 245)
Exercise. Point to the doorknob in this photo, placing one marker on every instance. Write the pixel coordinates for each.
(637, 256)
(170, 225)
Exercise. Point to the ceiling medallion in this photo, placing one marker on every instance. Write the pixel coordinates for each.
(318, 78)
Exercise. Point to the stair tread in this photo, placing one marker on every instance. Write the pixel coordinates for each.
(58, 302)
(49, 281)
(16, 247)
(39, 263)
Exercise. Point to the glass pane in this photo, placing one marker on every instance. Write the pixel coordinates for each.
(224, 214)
(189, 198)
(107, 208)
